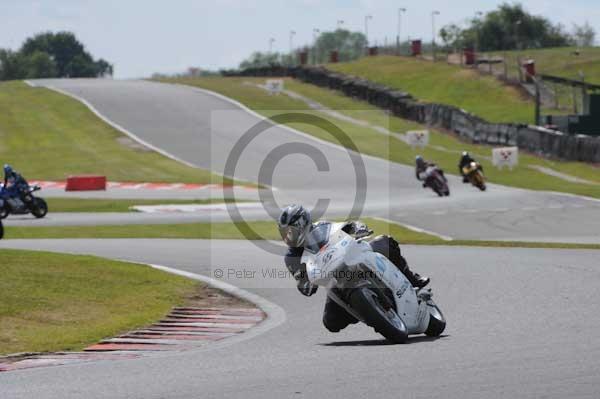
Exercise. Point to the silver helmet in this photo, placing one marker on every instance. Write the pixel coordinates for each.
(294, 225)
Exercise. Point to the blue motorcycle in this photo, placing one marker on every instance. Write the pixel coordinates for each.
(13, 202)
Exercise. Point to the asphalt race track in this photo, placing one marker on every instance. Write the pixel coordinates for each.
(521, 322)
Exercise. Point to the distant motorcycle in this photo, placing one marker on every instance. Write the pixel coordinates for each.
(436, 181)
(12, 203)
(475, 176)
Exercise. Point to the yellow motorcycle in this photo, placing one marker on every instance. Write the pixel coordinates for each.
(475, 175)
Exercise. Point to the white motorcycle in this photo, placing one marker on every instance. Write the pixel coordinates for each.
(369, 286)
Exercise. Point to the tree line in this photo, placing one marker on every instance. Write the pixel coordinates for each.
(511, 27)
(51, 55)
(349, 45)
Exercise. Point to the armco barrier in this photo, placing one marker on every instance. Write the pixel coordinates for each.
(86, 183)
(535, 139)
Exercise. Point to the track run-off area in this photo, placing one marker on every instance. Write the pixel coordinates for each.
(521, 322)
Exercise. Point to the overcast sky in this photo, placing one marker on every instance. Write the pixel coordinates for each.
(145, 36)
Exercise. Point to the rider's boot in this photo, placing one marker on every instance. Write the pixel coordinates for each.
(416, 279)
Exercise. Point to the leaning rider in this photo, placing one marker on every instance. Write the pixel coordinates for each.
(295, 224)
(421, 170)
(465, 160)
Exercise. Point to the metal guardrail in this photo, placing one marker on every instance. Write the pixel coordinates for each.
(570, 82)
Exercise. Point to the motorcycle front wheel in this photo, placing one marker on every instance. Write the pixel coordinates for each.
(4, 211)
(479, 181)
(437, 322)
(39, 208)
(385, 321)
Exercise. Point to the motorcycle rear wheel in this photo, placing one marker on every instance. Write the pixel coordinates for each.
(366, 302)
(40, 208)
(437, 188)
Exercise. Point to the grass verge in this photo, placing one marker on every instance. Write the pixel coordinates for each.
(55, 302)
(439, 82)
(258, 230)
(118, 205)
(48, 136)
(444, 148)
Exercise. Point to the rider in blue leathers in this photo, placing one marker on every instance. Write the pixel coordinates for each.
(15, 184)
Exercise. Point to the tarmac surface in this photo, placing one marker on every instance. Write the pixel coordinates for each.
(521, 323)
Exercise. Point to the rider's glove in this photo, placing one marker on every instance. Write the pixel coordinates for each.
(360, 230)
(305, 287)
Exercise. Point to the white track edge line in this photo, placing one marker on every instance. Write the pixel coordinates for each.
(414, 228)
(581, 197)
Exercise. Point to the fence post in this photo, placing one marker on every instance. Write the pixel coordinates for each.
(574, 99)
(538, 100)
(585, 105)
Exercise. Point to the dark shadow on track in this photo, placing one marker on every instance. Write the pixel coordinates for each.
(381, 342)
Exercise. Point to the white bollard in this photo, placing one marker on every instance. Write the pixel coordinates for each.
(274, 86)
(418, 138)
(505, 156)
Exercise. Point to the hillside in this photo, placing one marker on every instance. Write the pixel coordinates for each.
(439, 82)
